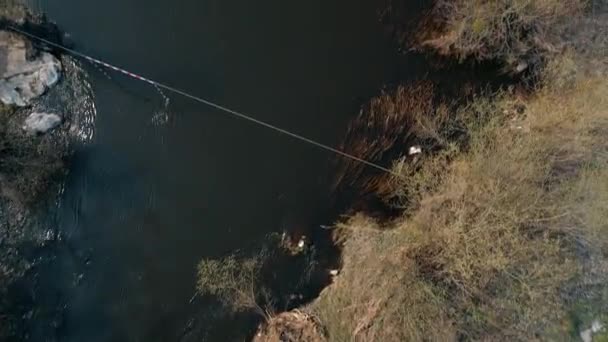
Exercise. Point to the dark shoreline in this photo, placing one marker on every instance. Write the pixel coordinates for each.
(32, 239)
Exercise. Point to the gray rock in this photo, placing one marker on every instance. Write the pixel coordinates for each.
(23, 79)
(41, 122)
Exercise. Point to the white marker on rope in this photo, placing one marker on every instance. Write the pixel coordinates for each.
(208, 103)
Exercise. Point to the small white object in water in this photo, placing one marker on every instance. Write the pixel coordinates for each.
(333, 273)
(160, 118)
(415, 150)
(302, 242)
(294, 296)
(49, 235)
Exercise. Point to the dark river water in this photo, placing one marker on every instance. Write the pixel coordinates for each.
(161, 187)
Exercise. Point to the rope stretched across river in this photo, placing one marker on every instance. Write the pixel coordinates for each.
(206, 102)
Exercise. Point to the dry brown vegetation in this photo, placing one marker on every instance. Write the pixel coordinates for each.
(385, 127)
(518, 32)
(292, 326)
(12, 9)
(235, 282)
(503, 236)
(503, 231)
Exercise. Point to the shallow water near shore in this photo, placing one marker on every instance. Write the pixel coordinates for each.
(162, 185)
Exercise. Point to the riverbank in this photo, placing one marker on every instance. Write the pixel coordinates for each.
(39, 128)
(501, 231)
(499, 241)
(132, 288)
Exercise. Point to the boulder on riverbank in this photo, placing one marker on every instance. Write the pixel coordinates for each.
(25, 74)
(40, 123)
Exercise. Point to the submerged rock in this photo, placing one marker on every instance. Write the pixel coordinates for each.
(24, 74)
(41, 122)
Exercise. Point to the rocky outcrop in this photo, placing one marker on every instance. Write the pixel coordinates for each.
(41, 123)
(35, 148)
(24, 73)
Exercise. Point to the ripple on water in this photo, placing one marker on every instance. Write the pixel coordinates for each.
(73, 98)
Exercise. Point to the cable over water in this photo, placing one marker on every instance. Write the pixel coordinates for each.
(224, 109)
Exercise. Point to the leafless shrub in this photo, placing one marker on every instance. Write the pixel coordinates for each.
(517, 32)
(384, 130)
(235, 282)
(492, 240)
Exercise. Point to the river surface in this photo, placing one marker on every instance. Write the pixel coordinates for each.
(161, 186)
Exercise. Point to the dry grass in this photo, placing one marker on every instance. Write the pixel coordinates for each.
(504, 231)
(386, 126)
(292, 326)
(497, 237)
(513, 31)
(376, 297)
(12, 9)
